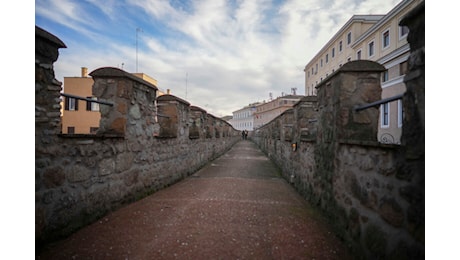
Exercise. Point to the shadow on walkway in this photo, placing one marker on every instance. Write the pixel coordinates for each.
(237, 207)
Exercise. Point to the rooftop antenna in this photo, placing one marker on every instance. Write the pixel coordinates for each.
(270, 95)
(293, 91)
(137, 31)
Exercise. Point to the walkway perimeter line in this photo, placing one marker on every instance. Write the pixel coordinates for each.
(237, 207)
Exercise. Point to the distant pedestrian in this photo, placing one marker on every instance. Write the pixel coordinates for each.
(242, 135)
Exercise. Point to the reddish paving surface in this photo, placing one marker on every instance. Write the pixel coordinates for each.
(237, 207)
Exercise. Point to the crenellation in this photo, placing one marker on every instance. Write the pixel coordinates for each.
(129, 156)
(361, 185)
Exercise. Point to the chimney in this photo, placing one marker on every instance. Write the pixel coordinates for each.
(84, 72)
(168, 91)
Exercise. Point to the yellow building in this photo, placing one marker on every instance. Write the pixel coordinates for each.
(79, 116)
(372, 37)
(83, 116)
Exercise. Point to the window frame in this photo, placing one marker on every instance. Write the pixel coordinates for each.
(383, 39)
(348, 38)
(359, 54)
(385, 115)
(371, 48)
(400, 31)
(71, 104)
(385, 76)
(400, 113)
(403, 68)
(92, 106)
(71, 130)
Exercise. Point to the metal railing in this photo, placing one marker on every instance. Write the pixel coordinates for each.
(378, 103)
(87, 99)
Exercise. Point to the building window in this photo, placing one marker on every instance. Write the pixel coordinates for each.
(321, 63)
(312, 71)
(333, 52)
(349, 38)
(92, 106)
(358, 55)
(400, 113)
(386, 39)
(340, 46)
(371, 49)
(71, 104)
(385, 76)
(71, 130)
(327, 58)
(316, 69)
(403, 31)
(403, 68)
(385, 115)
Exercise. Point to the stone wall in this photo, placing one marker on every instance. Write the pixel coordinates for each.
(372, 193)
(144, 143)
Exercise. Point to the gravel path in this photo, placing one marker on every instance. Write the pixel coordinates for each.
(237, 207)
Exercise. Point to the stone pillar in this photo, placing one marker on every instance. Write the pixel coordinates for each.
(196, 122)
(47, 88)
(306, 116)
(173, 114)
(355, 83)
(287, 125)
(47, 120)
(133, 99)
(411, 157)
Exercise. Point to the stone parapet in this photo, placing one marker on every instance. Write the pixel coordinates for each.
(142, 145)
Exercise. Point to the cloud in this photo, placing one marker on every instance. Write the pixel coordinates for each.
(219, 55)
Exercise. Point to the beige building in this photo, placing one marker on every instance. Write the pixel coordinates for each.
(83, 116)
(372, 37)
(267, 111)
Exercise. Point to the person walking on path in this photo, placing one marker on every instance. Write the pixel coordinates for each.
(237, 207)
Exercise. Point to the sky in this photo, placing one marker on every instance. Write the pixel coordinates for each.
(218, 55)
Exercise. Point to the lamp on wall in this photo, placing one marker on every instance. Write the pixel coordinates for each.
(294, 147)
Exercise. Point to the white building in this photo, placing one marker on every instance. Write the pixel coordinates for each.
(243, 119)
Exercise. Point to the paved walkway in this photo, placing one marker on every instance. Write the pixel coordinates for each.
(237, 207)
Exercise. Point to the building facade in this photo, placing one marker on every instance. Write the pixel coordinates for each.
(372, 37)
(243, 119)
(267, 111)
(79, 116)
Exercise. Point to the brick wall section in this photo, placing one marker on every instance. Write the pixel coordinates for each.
(144, 143)
(372, 193)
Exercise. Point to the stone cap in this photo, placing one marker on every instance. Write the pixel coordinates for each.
(112, 72)
(311, 99)
(355, 66)
(195, 108)
(46, 45)
(169, 97)
(39, 32)
(361, 66)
